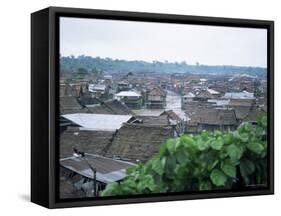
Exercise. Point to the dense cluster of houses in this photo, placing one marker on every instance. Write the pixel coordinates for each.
(224, 107)
(101, 118)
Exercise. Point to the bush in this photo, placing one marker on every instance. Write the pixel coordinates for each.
(218, 160)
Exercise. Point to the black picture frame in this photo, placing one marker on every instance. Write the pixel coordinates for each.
(45, 105)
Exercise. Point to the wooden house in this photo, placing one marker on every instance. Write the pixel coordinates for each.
(203, 95)
(70, 104)
(212, 119)
(90, 175)
(131, 98)
(155, 98)
(138, 142)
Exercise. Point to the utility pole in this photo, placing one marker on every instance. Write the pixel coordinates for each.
(82, 155)
(94, 171)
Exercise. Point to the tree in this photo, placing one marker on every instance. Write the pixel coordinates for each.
(218, 160)
(82, 71)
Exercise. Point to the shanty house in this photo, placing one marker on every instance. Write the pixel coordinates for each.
(213, 92)
(239, 95)
(203, 95)
(174, 120)
(138, 142)
(92, 173)
(242, 107)
(187, 98)
(131, 98)
(95, 142)
(155, 98)
(113, 107)
(98, 90)
(123, 86)
(69, 104)
(86, 98)
(69, 90)
(213, 119)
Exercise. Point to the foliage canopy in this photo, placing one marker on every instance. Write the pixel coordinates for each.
(210, 160)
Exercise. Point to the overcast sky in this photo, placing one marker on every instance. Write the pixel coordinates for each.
(160, 41)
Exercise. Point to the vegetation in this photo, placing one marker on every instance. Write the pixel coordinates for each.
(218, 160)
(71, 64)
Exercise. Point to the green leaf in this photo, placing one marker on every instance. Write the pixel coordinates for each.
(147, 181)
(111, 189)
(177, 143)
(255, 147)
(217, 144)
(187, 141)
(128, 186)
(181, 171)
(234, 152)
(263, 120)
(131, 169)
(218, 178)
(170, 166)
(158, 167)
(228, 168)
(236, 134)
(205, 135)
(171, 145)
(205, 185)
(244, 137)
(202, 145)
(247, 167)
(248, 127)
(182, 157)
(260, 131)
(223, 154)
(217, 133)
(228, 138)
(212, 165)
(162, 149)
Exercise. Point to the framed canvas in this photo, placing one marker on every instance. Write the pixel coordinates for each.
(134, 107)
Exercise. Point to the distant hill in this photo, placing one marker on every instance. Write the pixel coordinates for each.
(71, 64)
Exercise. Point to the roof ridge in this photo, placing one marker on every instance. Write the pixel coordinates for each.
(147, 125)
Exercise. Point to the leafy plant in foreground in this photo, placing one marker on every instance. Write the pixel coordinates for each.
(218, 160)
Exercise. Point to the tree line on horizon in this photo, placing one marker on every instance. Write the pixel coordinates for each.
(87, 64)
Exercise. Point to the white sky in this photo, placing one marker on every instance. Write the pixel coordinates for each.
(147, 41)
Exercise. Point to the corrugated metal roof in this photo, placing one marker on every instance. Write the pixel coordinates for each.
(212, 91)
(239, 95)
(98, 122)
(189, 95)
(108, 170)
(127, 94)
(219, 102)
(96, 87)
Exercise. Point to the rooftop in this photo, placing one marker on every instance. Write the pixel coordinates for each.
(128, 94)
(69, 104)
(239, 95)
(189, 95)
(98, 122)
(96, 87)
(212, 91)
(94, 142)
(138, 141)
(219, 102)
(108, 170)
(211, 116)
(111, 107)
